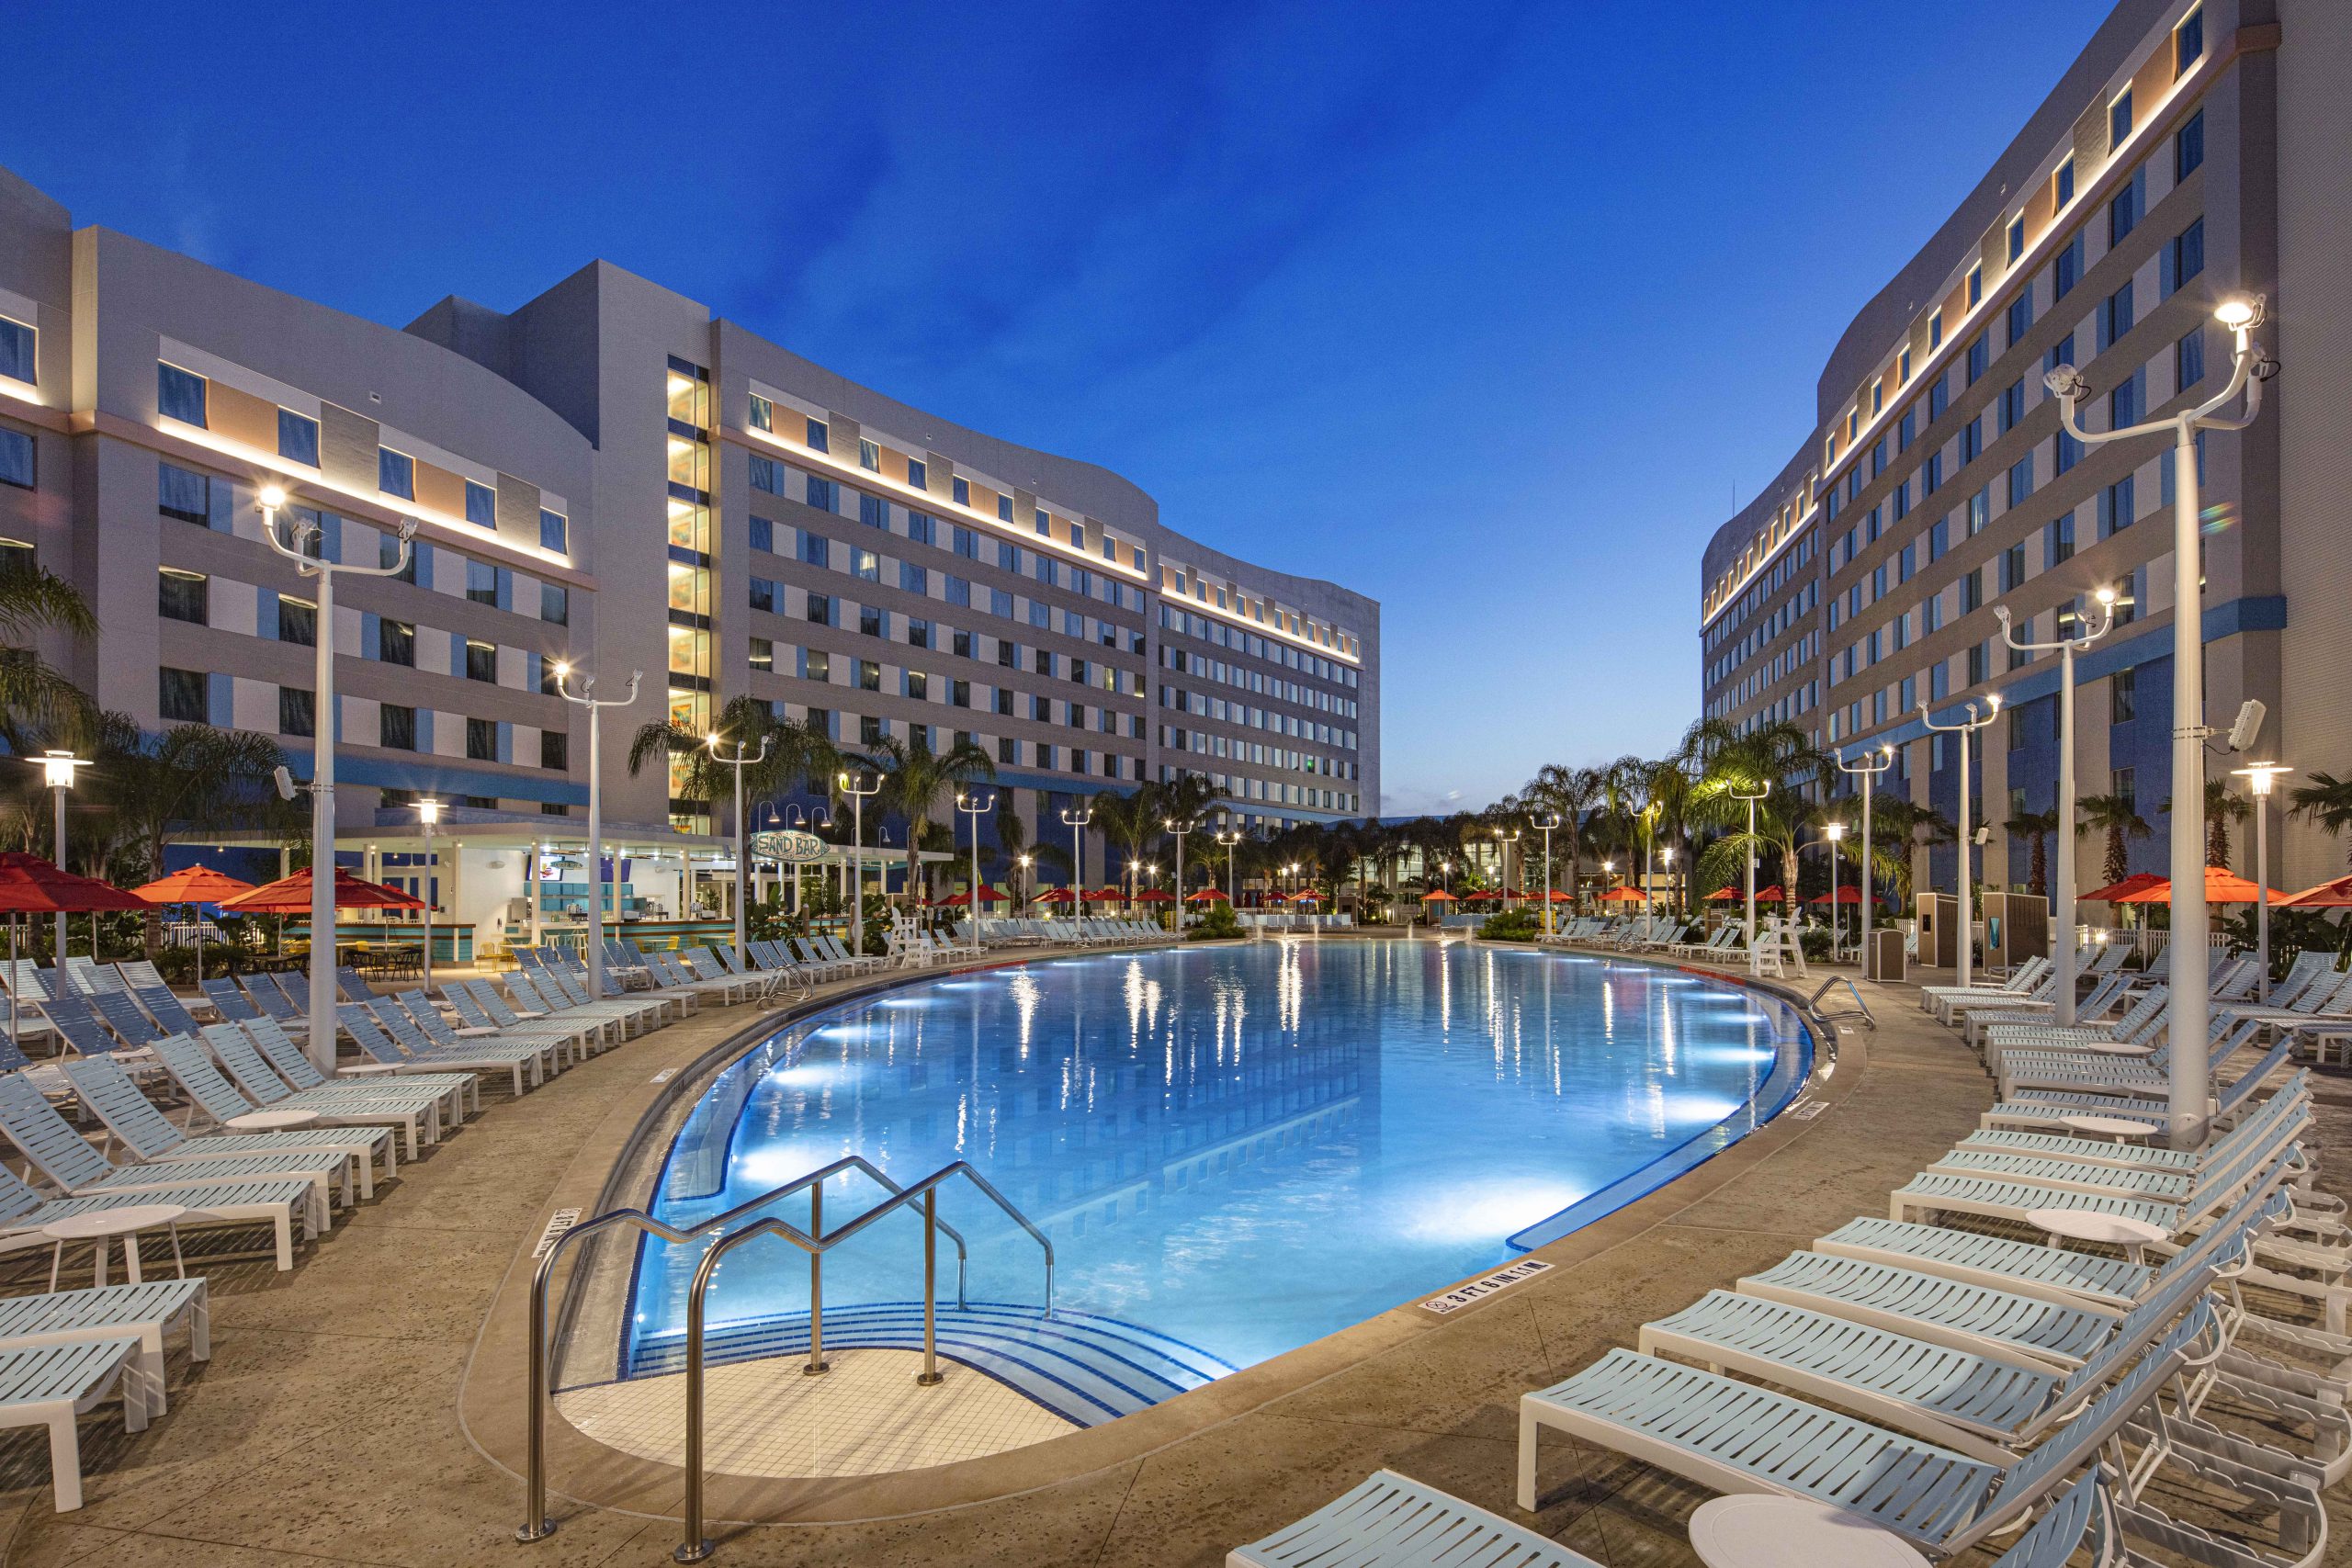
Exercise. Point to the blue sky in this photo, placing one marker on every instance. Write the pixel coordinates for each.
(1491, 312)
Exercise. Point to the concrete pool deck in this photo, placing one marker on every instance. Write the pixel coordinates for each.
(364, 1407)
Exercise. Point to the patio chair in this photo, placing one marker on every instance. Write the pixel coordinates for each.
(132, 1120)
(389, 1037)
(273, 1071)
(466, 997)
(229, 1001)
(2035, 1108)
(146, 1311)
(418, 1121)
(52, 1385)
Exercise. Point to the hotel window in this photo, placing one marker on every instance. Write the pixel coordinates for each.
(482, 506)
(481, 582)
(762, 413)
(1939, 538)
(1938, 397)
(2123, 209)
(554, 605)
(922, 529)
(918, 474)
(1978, 358)
(869, 457)
(865, 566)
(2124, 696)
(2017, 238)
(873, 511)
(870, 730)
(2058, 542)
(183, 696)
(555, 750)
(481, 662)
(2067, 270)
(2184, 258)
(1931, 475)
(2119, 120)
(555, 532)
(183, 595)
(2065, 182)
(2189, 147)
(2020, 317)
(1936, 330)
(395, 642)
(2188, 359)
(1907, 430)
(2021, 480)
(762, 594)
(396, 727)
(823, 494)
(2012, 405)
(2123, 403)
(872, 622)
(16, 344)
(1971, 440)
(820, 437)
(297, 438)
(2115, 316)
(960, 492)
(15, 458)
(2188, 42)
(297, 622)
(297, 711)
(179, 394)
(821, 609)
(918, 632)
(1975, 287)
(1004, 509)
(2118, 507)
(395, 473)
(1878, 398)
(2012, 568)
(481, 740)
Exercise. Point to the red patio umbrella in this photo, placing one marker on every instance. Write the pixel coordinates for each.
(1210, 896)
(987, 894)
(291, 895)
(2222, 887)
(1155, 895)
(1721, 894)
(31, 885)
(197, 885)
(1053, 896)
(1554, 896)
(1306, 895)
(1845, 895)
(1623, 896)
(1103, 895)
(1439, 896)
(1766, 894)
(2115, 892)
(1484, 894)
(2335, 895)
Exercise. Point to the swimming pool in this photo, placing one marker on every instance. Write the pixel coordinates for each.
(1234, 1150)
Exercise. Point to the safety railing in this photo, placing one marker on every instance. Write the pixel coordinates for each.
(815, 1241)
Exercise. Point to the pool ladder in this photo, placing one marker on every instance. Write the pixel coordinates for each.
(816, 1241)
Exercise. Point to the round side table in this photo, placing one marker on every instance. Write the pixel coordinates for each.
(2086, 1224)
(2122, 1128)
(273, 1120)
(100, 1225)
(1752, 1532)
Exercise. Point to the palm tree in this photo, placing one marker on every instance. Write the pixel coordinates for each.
(1126, 820)
(1901, 828)
(797, 753)
(2222, 808)
(2327, 801)
(190, 773)
(914, 777)
(33, 692)
(1011, 839)
(2113, 815)
(1569, 794)
(2037, 827)
(1728, 763)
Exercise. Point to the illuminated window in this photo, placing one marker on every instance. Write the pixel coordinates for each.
(395, 473)
(179, 394)
(16, 345)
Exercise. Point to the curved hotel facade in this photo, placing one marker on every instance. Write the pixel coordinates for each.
(613, 475)
(2195, 149)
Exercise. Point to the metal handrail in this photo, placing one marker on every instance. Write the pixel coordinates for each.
(695, 1547)
(536, 1525)
(1862, 1009)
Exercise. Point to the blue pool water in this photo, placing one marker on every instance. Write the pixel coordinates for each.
(1234, 1150)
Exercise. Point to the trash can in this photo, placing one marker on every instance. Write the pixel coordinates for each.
(1885, 961)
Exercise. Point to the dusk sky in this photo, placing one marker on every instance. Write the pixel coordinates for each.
(1492, 313)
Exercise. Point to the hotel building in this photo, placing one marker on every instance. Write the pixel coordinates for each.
(613, 475)
(2194, 151)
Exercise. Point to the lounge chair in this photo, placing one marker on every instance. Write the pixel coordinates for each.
(2034, 1109)
(146, 1312)
(280, 1202)
(256, 1070)
(1391, 1521)
(389, 1037)
(192, 1069)
(585, 1035)
(51, 1385)
(132, 1120)
(231, 1003)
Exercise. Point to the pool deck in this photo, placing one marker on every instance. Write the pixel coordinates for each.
(363, 1407)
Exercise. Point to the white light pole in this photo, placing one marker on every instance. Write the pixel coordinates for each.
(1764, 788)
(57, 772)
(1076, 818)
(1547, 825)
(307, 532)
(1231, 840)
(2063, 898)
(1169, 823)
(2191, 1005)
(1868, 773)
(858, 798)
(975, 808)
(739, 762)
(1832, 832)
(1667, 854)
(586, 697)
(1964, 729)
(428, 815)
(2259, 779)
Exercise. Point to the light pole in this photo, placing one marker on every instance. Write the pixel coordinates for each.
(1023, 862)
(1964, 729)
(1169, 823)
(2259, 779)
(2191, 1004)
(428, 816)
(2063, 898)
(1231, 840)
(1832, 832)
(1503, 842)
(307, 532)
(57, 772)
(975, 808)
(1667, 854)
(858, 798)
(1076, 818)
(586, 697)
(742, 871)
(1765, 788)
(1547, 825)
(1868, 773)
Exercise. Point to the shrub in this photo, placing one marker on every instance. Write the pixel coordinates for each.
(1217, 922)
(1510, 925)
(1816, 945)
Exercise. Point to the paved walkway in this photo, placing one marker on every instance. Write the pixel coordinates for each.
(326, 1426)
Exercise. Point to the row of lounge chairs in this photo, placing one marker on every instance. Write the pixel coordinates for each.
(1081, 931)
(1936, 1375)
